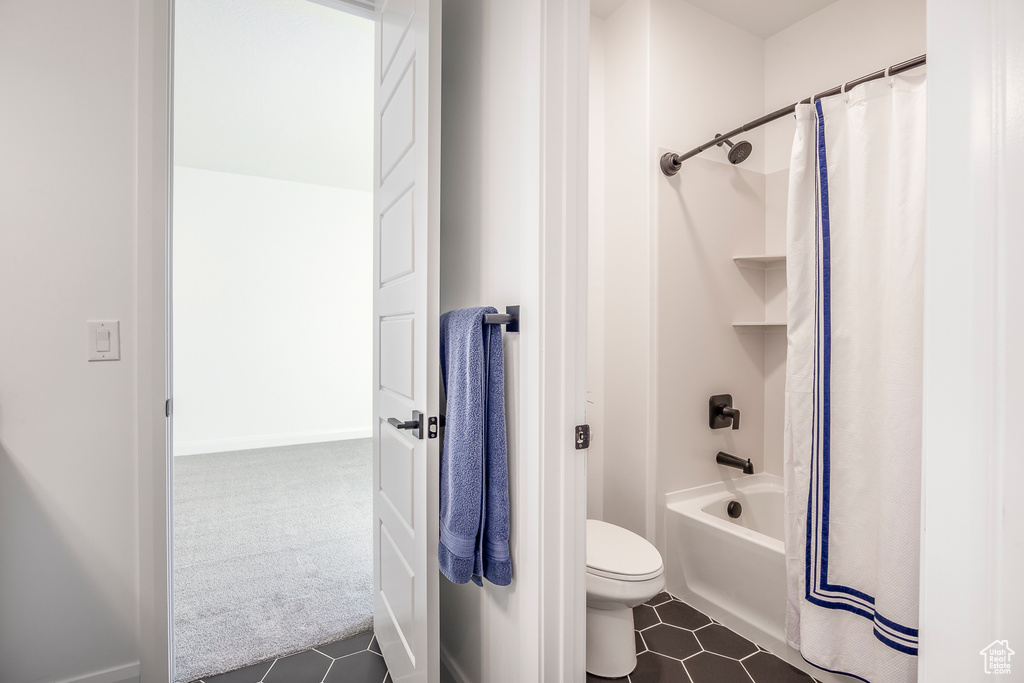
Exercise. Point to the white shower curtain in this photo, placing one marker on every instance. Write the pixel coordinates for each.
(855, 272)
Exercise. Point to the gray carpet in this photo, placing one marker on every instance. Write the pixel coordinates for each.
(273, 553)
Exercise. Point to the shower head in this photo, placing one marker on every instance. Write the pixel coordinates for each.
(739, 152)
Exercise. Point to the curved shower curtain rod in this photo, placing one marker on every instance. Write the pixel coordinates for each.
(672, 162)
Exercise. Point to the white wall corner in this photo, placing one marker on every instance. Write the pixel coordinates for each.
(451, 672)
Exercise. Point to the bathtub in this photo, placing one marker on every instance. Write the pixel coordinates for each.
(737, 565)
(734, 570)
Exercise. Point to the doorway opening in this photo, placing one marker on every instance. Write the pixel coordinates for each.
(272, 330)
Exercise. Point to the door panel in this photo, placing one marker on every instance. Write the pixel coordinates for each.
(396, 474)
(397, 239)
(394, 19)
(398, 119)
(406, 366)
(397, 345)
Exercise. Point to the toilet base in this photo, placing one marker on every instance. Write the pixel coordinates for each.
(611, 646)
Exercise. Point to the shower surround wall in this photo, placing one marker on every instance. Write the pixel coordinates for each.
(669, 291)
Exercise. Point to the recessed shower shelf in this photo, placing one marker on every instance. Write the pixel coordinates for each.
(757, 326)
(761, 261)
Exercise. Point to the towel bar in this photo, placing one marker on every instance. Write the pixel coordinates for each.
(510, 317)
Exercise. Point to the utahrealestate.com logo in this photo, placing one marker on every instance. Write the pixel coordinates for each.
(997, 657)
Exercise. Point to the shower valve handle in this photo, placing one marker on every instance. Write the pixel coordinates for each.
(721, 414)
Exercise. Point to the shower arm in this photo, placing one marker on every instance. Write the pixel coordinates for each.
(672, 162)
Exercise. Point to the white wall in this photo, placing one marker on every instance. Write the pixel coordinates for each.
(596, 353)
(973, 511)
(273, 107)
(274, 88)
(707, 77)
(485, 210)
(513, 216)
(627, 339)
(68, 531)
(272, 310)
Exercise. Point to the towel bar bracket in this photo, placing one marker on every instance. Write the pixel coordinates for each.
(510, 318)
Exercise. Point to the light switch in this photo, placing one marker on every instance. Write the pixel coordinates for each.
(104, 339)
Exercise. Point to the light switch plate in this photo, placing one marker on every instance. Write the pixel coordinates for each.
(93, 328)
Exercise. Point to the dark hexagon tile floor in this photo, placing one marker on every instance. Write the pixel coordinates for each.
(671, 641)
(353, 660)
(676, 643)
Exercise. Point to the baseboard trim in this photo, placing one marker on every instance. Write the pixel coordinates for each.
(128, 673)
(448, 662)
(268, 441)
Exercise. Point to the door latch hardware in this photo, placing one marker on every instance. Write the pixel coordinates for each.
(432, 428)
(582, 437)
(415, 425)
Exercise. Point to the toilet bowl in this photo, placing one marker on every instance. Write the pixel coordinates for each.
(623, 570)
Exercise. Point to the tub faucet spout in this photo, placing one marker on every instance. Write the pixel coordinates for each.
(730, 460)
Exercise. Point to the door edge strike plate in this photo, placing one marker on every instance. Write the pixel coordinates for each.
(432, 428)
(582, 437)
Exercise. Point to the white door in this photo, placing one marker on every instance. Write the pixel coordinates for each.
(406, 364)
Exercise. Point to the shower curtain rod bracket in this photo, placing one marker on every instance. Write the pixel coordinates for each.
(670, 163)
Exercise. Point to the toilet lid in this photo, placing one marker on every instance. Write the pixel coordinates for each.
(618, 553)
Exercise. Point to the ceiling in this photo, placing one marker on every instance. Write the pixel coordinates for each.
(274, 88)
(762, 18)
(604, 8)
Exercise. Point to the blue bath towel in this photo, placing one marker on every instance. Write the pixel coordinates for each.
(474, 461)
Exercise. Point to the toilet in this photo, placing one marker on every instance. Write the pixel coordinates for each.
(623, 570)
